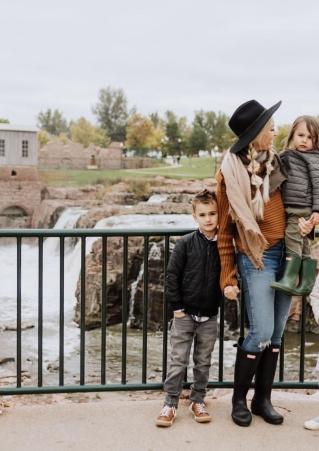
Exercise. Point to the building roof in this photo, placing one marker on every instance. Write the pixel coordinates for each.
(18, 128)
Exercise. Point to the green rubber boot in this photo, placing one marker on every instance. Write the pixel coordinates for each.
(307, 276)
(288, 282)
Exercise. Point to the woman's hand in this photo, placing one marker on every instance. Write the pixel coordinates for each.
(305, 227)
(231, 292)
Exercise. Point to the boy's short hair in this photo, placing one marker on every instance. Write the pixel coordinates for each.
(203, 197)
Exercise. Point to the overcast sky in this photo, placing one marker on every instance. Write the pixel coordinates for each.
(182, 55)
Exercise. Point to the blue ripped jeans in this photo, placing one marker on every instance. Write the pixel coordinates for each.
(266, 308)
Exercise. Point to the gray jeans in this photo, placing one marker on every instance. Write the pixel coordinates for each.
(184, 331)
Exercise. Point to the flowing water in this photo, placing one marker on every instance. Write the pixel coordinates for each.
(93, 338)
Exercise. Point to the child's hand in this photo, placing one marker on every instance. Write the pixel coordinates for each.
(305, 226)
(314, 219)
(179, 314)
(231, 292)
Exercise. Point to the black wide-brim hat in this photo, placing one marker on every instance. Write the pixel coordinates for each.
(247, 122)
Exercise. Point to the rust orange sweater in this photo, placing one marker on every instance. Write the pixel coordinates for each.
(272, 227)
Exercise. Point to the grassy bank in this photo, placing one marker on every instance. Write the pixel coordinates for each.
(191, 168)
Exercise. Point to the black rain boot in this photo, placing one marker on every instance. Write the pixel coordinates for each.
(245, 367)
(289, 280)
(307, 276)
(261, 402)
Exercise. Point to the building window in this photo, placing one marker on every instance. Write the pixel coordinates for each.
(2, 147)
(25, 148)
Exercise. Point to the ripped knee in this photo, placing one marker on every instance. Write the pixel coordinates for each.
(264, 344)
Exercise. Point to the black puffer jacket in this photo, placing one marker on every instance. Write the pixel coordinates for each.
(302, 187)
(192, 280)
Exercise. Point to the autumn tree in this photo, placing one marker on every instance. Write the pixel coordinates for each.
(142, 133)
(85, 133)
(43, 138)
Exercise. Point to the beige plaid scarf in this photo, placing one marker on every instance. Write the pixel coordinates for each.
(243, 209)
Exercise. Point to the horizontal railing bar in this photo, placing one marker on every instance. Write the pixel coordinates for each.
(27, 233)
(135, 387)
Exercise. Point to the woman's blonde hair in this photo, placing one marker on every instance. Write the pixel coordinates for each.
(312, 125)
(266, 127)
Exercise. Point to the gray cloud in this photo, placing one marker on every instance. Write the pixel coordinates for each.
(179, 55)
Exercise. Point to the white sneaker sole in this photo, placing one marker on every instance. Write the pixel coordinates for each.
(206, 419)
(311, 425)
(163, 423)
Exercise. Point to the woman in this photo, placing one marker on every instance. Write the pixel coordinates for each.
(251, 214)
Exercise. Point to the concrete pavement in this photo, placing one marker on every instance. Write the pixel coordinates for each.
(125, 422)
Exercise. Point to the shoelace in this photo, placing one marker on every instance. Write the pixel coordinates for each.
(166, 410)
(200, 408)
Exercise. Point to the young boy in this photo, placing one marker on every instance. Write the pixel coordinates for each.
(193, 294)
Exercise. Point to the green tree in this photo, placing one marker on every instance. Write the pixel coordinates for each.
(112, 112)
(157, 120)
(83, 132)
(177, 134)
(220, 137)
(53, 122)
(3, 120)
(281, 137)
(198, 139)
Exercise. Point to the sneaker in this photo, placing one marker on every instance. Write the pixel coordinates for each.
(200, 413)
(312, 424)
(166, 417)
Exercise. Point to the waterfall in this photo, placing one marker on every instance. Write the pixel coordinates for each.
(51, 283)
(29, 287)
(154, 254)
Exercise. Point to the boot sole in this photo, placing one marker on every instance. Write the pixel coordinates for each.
(284, 289)
(268, 420)
(239, 423)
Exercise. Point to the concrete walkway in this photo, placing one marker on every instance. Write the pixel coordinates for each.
(125, 422)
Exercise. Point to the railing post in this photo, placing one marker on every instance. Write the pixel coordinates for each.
(165, 313)
(40, 312)
(19, 273)
(61, 326)
(82, 321)
(145, 310)
(124, 308)
(103, 309)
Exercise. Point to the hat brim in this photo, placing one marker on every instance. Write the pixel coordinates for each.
(254, 129)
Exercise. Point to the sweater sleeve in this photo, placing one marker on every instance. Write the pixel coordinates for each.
(225, 237)
(174, 275)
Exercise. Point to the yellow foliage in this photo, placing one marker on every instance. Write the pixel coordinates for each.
(142, 134)
(43, 138)
(85, 133)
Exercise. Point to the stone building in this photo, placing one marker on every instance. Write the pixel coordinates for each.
(56, 155)
(19, 181)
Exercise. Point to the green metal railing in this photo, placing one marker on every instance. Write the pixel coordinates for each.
(39, 235)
